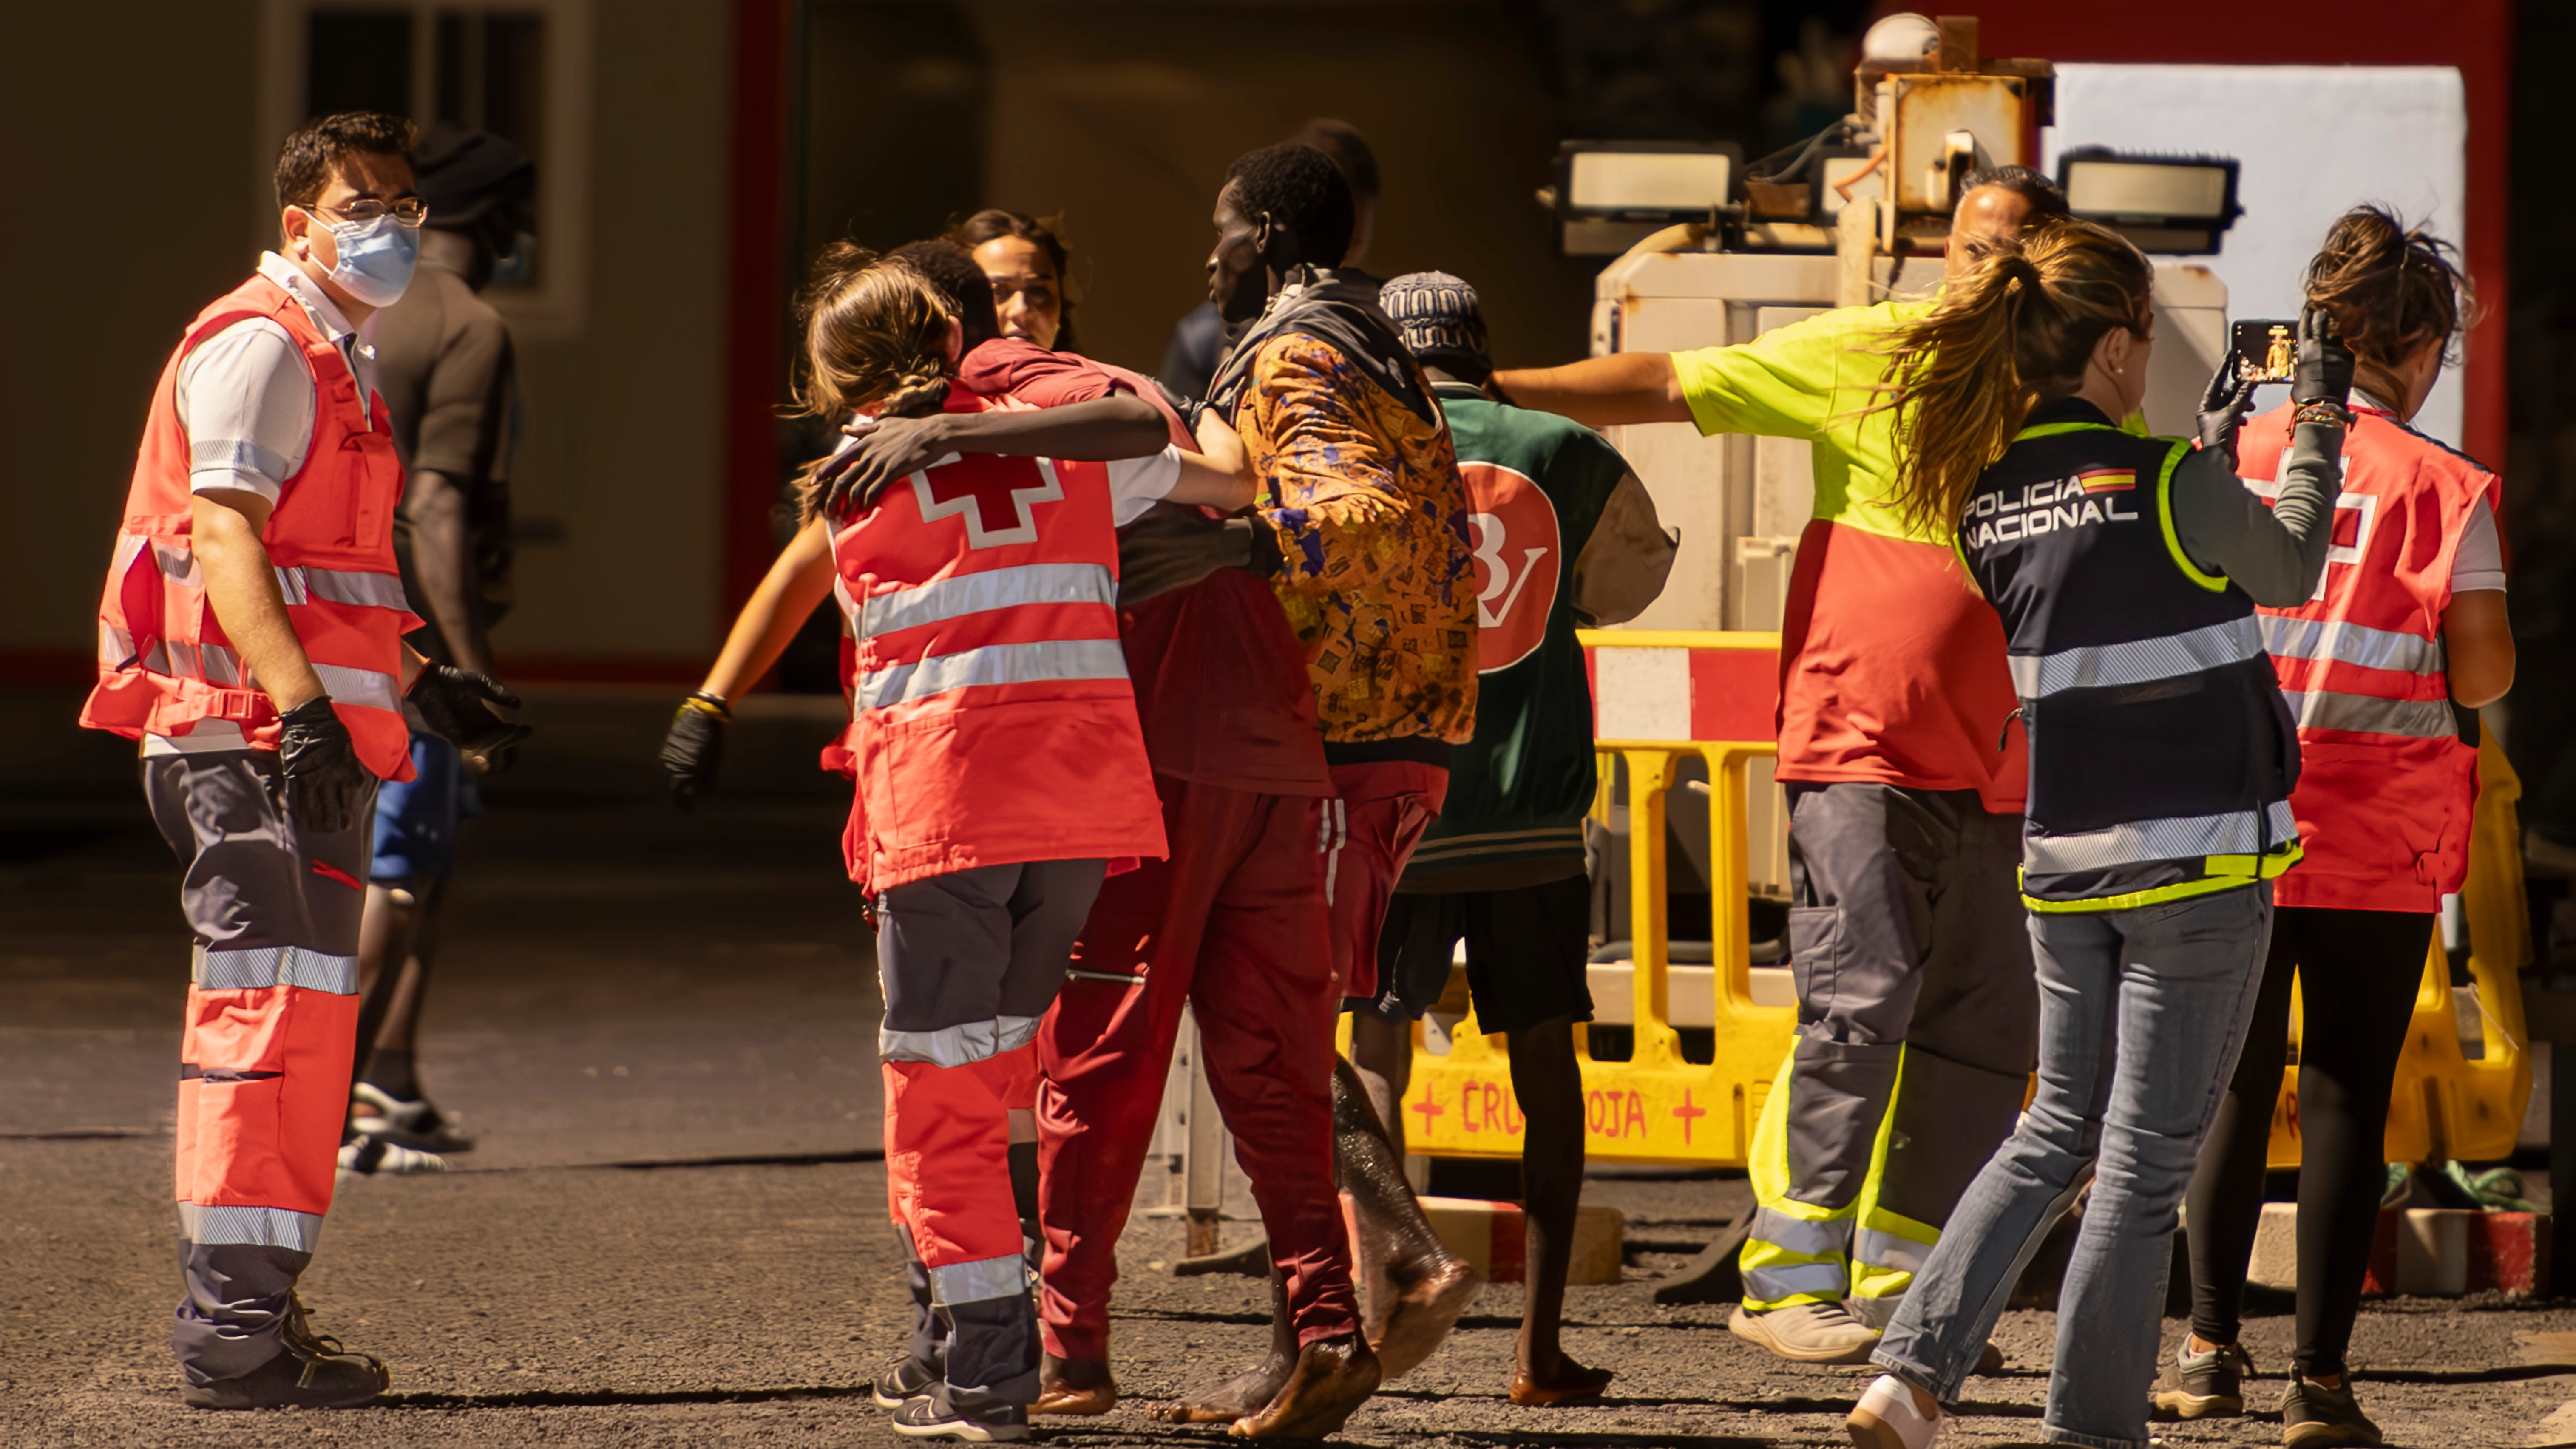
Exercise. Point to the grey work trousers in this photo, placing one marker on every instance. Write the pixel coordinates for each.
(264, 1073)
(2142, 1015)
(1908, 948)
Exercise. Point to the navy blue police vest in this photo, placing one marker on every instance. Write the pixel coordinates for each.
(2161, 751)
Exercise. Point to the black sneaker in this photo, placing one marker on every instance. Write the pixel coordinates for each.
(2204, 1385)
(2316, 1417)
(922, 1418)
(909, 1378)
(311, 1371)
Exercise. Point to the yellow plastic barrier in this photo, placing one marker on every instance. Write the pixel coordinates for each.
(2445, 1103)
(1657, 1107)
(1654, 1107)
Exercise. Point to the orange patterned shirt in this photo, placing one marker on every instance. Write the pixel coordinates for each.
(1369, 515)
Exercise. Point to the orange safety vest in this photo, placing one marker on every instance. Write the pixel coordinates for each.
(992, 721)
(163, 660)
(2387, 787)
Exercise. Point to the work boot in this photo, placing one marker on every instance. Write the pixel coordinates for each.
(1806, 1332)
(2204, 1385)
(2316, 1417)
(311, 1371)
(922, 1418)
(908, 1378)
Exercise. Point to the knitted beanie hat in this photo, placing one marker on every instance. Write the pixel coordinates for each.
(1440, 320)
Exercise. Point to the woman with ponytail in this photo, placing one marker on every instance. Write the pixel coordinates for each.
(2386, 665)
(2126, 572)
(999, 767)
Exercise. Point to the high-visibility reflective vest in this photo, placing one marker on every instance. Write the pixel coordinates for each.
(2385, 798)
(163, 660)
(991, 716)
(2161, 755)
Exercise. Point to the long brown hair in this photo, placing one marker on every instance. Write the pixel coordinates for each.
(2391, 288)
(875, 332)
(2016, 330)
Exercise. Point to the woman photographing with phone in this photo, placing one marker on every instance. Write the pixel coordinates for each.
(2413, 625)
(2126, 572)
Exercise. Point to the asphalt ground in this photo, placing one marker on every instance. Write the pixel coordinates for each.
(672, 1229)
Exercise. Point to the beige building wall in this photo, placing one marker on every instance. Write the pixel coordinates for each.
(152, 204)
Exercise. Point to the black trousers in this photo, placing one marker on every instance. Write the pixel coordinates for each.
(2363, 968)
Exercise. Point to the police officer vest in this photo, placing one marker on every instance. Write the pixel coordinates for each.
(2161, 752)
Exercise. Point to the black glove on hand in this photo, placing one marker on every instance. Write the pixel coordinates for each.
(2223, 404)
(456, 705)
(2324, 371)
(694, 747)
(1172, 547)
(326, 787)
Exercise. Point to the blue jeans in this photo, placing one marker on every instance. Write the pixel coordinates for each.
(2141, 1015)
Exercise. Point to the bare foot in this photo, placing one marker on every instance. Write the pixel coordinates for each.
(1424, 1312)
(1246, 1393)
(1564, 1383)
(1077, 1386)
(1334, 1376)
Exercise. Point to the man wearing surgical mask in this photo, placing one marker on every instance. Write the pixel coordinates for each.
(250, 637)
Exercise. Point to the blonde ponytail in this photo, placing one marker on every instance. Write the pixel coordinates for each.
(2017, 330)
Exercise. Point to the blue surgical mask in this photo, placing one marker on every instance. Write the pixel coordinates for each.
(376, 258)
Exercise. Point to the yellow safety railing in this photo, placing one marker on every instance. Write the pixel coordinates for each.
(2447, 1104)
(1655, 1106)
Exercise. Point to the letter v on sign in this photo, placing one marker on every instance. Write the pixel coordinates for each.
(1519, 563)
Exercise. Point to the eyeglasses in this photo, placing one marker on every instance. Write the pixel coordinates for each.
(410, 210)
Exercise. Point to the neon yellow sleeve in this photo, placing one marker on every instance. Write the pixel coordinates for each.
(1782, 383)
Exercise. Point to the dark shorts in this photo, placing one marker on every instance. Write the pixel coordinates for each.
(416, 819)
(1527, 954)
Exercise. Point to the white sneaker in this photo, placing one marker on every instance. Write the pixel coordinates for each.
(1886, 1418)
(367, 1155)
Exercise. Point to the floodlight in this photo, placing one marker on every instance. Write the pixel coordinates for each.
(2177, 205)
(1609, 195)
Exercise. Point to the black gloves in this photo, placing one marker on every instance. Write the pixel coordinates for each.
(1172, 547)
(2223, 404)
(694, 747)
(326, 788)
(2324, 370)
(456, 705)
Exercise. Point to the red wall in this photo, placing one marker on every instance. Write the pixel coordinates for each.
(2474, 35)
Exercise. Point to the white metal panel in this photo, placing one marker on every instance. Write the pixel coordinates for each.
(1641, 694)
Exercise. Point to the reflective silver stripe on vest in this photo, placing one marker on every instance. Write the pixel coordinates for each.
(115, 646)
(955, 1046)
(1054, 583)
(303, 583)
(1798, 1235)
(264, 966)
(2348, 643)
(992, 664)
(979, 1281)
(1887, 1250)
(212, 663)
(2139, 661)
(228, 1224)
(360, 686)
(1771, 1284)
(2140, 842)
(2324, 709)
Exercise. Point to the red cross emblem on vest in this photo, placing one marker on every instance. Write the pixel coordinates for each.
(997, 496)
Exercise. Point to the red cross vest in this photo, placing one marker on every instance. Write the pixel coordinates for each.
(164, 662)
(2386, 793)
(992, 720)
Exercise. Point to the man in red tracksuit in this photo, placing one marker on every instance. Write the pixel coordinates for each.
(1235, 921)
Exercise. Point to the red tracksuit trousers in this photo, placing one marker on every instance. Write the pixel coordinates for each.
(1234, 922)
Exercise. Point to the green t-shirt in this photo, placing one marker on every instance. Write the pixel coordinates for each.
(1537, 484)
